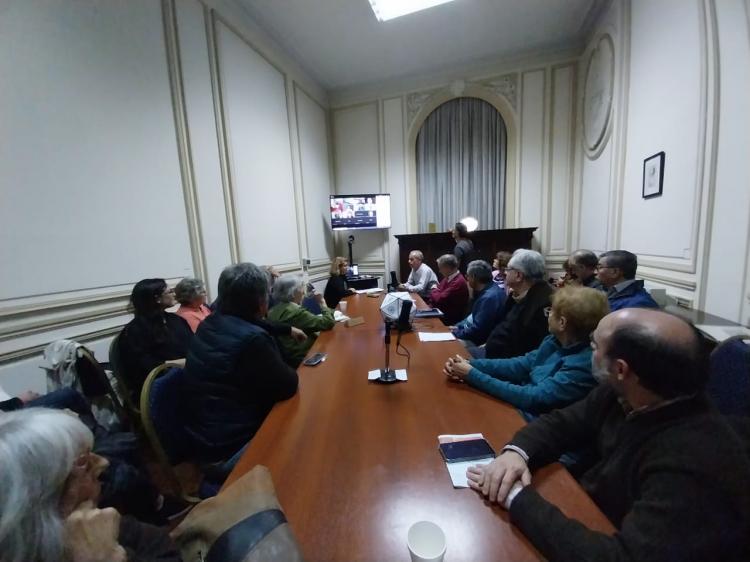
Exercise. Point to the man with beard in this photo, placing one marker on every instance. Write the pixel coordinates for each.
(670, 474)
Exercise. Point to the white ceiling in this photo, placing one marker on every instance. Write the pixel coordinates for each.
(341, 43)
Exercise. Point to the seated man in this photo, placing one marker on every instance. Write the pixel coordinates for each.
(421, 279)
(288, 292)
(524, 324)
(616, 272)
(234, 372)
(451, 295)
(671, 474)
(554, 375)
(583, 268)
(487, 310)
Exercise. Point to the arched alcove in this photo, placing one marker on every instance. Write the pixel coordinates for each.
(508, 114)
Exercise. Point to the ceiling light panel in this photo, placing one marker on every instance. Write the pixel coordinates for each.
(388, 9)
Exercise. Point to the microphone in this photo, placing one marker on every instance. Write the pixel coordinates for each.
(387, 374)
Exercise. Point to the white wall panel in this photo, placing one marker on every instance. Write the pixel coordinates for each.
(532, 149)
(563, 97)
(356, 142)
(89, 173)
(316, 175)
(664, 113)
(258, 130)
(355, 132)
(728, 254)
(196, 76)
(395, 175)
(594, 206)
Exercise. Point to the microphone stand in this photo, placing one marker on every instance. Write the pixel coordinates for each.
(387, 375)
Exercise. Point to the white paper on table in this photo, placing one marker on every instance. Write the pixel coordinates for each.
(403, 295)
(457, 470)
(721, 333)
(400, 375)
(453, 438)
(369, 291)
(339, 316)
(436, 336)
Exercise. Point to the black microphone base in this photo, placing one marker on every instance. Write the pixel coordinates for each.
(387, 376)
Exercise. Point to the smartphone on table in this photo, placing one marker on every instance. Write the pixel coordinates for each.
(470, 450)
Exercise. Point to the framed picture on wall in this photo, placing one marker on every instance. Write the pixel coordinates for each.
(653, 175)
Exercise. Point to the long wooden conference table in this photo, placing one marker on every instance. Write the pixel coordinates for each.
(356, 463)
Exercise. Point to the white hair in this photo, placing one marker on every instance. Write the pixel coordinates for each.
(286, 286)
(528, 262)
(38, 448)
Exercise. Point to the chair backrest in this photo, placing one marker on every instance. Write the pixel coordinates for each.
(162, 414)
(162, 418)
(90, 369)
(115, 360)
(729, 378)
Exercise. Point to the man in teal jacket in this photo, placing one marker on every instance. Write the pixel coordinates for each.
(555, 374)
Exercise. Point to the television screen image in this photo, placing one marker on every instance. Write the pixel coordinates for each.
(360, 211)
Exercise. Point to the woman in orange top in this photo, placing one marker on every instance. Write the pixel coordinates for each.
(191, 294)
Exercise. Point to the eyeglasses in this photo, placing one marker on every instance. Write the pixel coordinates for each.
(547, 311)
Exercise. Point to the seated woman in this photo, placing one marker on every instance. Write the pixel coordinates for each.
(336, 288)
(191, 294)
(49, 495)
(498, 268)
(554, 375)
(234, 372)
(153, 336)
(288, 292)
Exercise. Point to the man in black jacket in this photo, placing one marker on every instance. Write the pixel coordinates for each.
(671, 474)
(234, 372)
(524, 324)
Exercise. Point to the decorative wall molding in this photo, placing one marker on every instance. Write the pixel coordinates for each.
(708, 153)
(415, 102)
(222, 136)
(598, 94)
(182, 132)
(505, 86)
(84, 338)
(29, 316)
(302, 207)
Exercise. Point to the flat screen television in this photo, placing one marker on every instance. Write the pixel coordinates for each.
(360, 212)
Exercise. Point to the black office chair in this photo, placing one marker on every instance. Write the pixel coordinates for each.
(729, 379)
(393, 285)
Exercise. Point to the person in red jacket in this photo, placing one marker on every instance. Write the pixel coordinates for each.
(451, 295)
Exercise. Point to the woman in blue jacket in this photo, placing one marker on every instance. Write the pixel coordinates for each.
(555, 374)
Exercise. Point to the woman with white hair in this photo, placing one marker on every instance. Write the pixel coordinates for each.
(48, 493)
(288, 292)
(191, 294)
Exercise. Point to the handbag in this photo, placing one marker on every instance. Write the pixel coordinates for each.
(243, 523)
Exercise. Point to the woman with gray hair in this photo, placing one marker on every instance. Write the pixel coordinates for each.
(191, 294)
(49, 492)
(288, 292)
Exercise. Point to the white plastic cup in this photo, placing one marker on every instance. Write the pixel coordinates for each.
(342, 307)
(426, 542)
